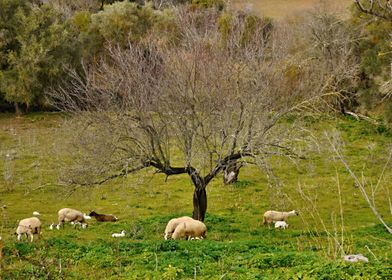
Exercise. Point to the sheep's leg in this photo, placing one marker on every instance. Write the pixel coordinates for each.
(19, 236)
(31, 236)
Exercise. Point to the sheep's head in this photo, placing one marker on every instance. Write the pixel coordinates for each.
(296, 212)
(93, 213)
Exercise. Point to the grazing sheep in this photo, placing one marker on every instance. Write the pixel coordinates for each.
(173, 223)
(103, 217)
(274, 216)
(190, 230)
(122, 234)
(36, 213)
(29, 226)
(70, 215)
(281, 224)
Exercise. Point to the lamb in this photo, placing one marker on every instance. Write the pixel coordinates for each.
(281, 224)
(173, 223)
(103, 217)
(191, 229)
(122, 234)
(70, 215)
(274, 216)
(29, 226)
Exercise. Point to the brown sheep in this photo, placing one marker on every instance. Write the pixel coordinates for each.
(103, 217)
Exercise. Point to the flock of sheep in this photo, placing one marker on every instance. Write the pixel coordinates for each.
(177, 228)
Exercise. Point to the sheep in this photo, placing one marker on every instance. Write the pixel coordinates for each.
(36, 213)
(122, 234)
(70, 215)
(103, 217)
(191, 229)
(172, 224)
(281, 224)
(86, 217)
(274, 216)
(29, 226)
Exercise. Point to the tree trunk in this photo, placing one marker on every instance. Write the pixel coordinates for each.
(230, 173)
(18, 112)
(199, 203)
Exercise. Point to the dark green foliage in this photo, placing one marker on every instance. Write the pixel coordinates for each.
(375, 56)
(37, 45)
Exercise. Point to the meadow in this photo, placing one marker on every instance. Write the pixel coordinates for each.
(334, 218)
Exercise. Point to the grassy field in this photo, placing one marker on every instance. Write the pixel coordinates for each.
(238, 245)
(280, 9)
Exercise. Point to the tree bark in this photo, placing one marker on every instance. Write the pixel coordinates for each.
(231, 172)
(199, 203)
(18, 112)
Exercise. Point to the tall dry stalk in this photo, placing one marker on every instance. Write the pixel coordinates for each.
(361, 182)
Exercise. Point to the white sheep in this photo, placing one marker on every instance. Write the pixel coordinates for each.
(70, 215)
(172, 224)
(86, 217)
(29, 226)
(281, 224)
(190, 229)
(274, 216)
(122, 234)
(36, 213)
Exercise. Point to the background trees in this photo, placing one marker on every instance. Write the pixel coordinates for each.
(193, 106)
(34, 48)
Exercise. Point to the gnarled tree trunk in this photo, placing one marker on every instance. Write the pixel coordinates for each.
(231, 172)
(199, 203)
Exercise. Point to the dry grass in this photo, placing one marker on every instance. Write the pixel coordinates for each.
(280, 9)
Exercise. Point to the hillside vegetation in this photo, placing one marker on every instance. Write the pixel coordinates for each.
(279, 9)
(238, 246)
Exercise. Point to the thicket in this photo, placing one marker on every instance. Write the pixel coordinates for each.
(40, 40)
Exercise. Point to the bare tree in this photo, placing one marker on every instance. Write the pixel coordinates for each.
(193, 108)
(378, 8)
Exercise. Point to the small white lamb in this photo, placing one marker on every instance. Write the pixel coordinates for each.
(281, 224)
(122, 234)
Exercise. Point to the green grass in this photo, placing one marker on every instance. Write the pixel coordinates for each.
(237, 247)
